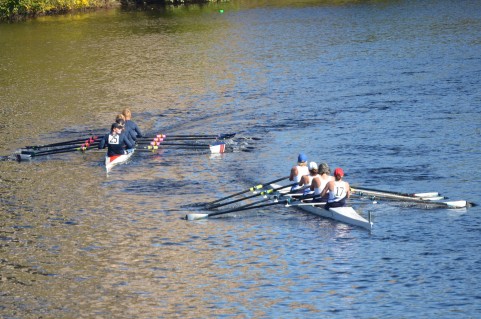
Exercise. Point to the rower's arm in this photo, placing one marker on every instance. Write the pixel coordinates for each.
(102, 142)
(293, 173)
(137, 130)
(128, 142)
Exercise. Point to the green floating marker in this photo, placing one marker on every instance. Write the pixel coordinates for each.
(221, 11)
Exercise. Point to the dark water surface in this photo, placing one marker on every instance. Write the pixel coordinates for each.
(388, 90)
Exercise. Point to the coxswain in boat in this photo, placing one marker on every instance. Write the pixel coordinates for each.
(338, 191)
(320, 181)
(116, 142)
(130, 126)
(298, 171)
(306, 180)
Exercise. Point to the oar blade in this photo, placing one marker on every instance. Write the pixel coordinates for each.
(457, 204)
(426, 195)
(196, 216)
(23, 157)
(431, 198)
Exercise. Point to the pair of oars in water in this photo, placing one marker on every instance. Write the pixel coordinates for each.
(154, 142)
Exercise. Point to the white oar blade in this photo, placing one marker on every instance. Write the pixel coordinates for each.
(196, 216)
(425, 195)
(432, 198)
(457, 204)
(23, 157)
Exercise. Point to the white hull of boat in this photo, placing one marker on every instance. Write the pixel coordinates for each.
(217, 148)
(115, 160)
(346, 215)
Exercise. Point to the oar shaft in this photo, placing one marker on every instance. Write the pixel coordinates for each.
(385, 195)
(422, 201)
(69, 148)
(173, 144)
(199, 136)
(175, 138)
(212, 149)
(246, 207)
(269, 191)
(189, 147)
(26, 155)
(366, 190)
(77, 141)
(250, 189)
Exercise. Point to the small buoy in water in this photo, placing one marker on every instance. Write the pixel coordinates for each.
(374, 202)
(221, 11)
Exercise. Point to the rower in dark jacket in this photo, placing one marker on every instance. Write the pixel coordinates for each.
(128, 135)
(130, 126)
(115, 141)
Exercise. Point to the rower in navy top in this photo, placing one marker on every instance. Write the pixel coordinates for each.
(121, 120)
(130, 125)
(115, 141)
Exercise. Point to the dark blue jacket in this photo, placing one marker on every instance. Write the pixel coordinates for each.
(132, 129)
(115, 144)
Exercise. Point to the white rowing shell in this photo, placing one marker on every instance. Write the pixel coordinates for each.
(111, 161)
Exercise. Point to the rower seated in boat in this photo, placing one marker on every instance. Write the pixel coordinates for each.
(338, 191)
(130, 126)
(306, 180)
(298, 171)
(115, 141)
(120, 119)
(320, 181)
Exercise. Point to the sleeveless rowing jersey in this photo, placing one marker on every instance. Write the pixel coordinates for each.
(307, 190)
(311, 177)
(318, 191)
(301, 171)
(339, 192)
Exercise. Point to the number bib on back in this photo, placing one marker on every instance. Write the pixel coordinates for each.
(114, 139)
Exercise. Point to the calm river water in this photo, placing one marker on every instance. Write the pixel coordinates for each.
(387, 90)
